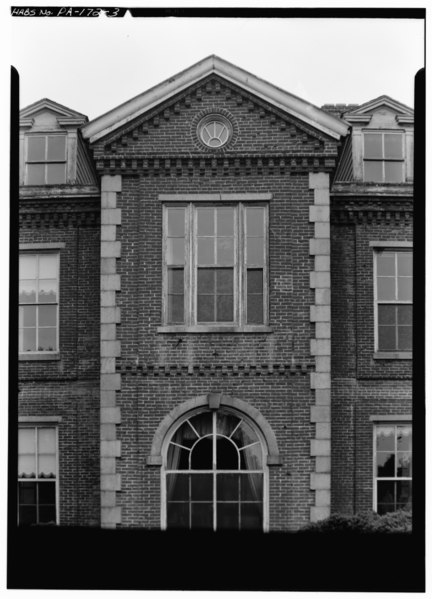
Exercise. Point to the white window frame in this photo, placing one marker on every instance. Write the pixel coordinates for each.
(387, 421)
(239, 323)
(37, 424)
(383, 160)
(264, 470)
(38, 252)
(378, 247)
(46, 161)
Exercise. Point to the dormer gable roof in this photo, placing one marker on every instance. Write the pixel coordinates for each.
(364, 112)
(65, 116)
(293, 105)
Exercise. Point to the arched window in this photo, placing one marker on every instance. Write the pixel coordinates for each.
(214, 475)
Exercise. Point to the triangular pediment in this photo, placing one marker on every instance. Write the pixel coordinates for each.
(47, 113)
(281, 100)
(383, 105)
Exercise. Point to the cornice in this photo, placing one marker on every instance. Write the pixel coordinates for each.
(211, 369)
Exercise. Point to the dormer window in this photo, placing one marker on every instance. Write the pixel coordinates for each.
(383, 157)
(46, 159)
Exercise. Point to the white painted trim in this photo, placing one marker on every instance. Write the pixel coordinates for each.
(24, 247)
(389, 245)
(392, 418)
(215, 197)
(123, 114)
(39, 419)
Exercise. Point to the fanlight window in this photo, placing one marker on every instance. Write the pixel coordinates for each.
(214, 474)
(214, 131)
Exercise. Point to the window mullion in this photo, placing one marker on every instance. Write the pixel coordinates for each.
(241, 265)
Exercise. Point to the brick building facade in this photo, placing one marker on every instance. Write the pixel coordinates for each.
(215, 308)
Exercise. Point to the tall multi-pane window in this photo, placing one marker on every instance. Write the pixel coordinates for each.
(46, 160)
(37, 475)
(393, 293)
(215, 263)
(38, 302)
(214, 477)
(393, 467)
(383, 158)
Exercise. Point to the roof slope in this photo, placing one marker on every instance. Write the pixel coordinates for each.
(283, 100)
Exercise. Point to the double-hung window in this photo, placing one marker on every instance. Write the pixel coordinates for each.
(37, 475)
(215, 265)
(38, 302)
(393, 305)
(393, 467)
(46, 159)
(384, 157)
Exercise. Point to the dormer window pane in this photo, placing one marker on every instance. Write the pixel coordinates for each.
(383, 159)
(393, 146)
(56, 148)
(55, 173)
(35, 174)
(372, 145)
(393, 172)
(46, 160)
(36, 149)
(373, 171)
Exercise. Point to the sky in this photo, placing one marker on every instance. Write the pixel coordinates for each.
(93, 65)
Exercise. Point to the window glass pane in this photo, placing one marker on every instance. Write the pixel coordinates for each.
(385, 438)
(255, 251)
(373, 145)
(405, 338)
(175, 280)
(175, 309)
(27, 465)
(28, 340)
(47, 514)
(47, 440)
(386, 288)
(177, 487)
(202, 455)
(47, 315)
(373, 171)
(27, 316)
(56, 173)
(405, 264)
(205, 221)
(387, 338)
(386, 494)
(178, 515)
(403, 490)
(48, 266)
(255, 309)
(228, 487)
(202, 515)
(393, 145)
(202, 487)
(178, 458)
(387, 314)
(404, 288)
(36, 148)
(35, 174)
(251, 457)
(228, 516)
(206, 281)
(403, 464)
(47, 465)
(224, 281)
(27, 292)
(393, 172)
(27, 515)
(251, 487)
(26, 440)
(386, 264)
(206, 308)
(244, 435)
(225, 222)
(56, 147)
(385, 464)
(202, 423)
(226, 423)
(225, 251)
(47, 339)
(255, 281)
(47, 291)
(176, 222)
(28, 267)
(404, 438)
(47, 492)
(227, 456)
(251, 516)
(206, 250)
(224, 308)
(404, 315)
(255, 222)
(27, 493)
(175, 250)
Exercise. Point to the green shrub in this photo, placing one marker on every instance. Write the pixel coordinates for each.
(363, 522)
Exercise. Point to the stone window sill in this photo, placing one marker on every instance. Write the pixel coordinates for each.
(213, 329)
(41, 356)
(393, 355)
